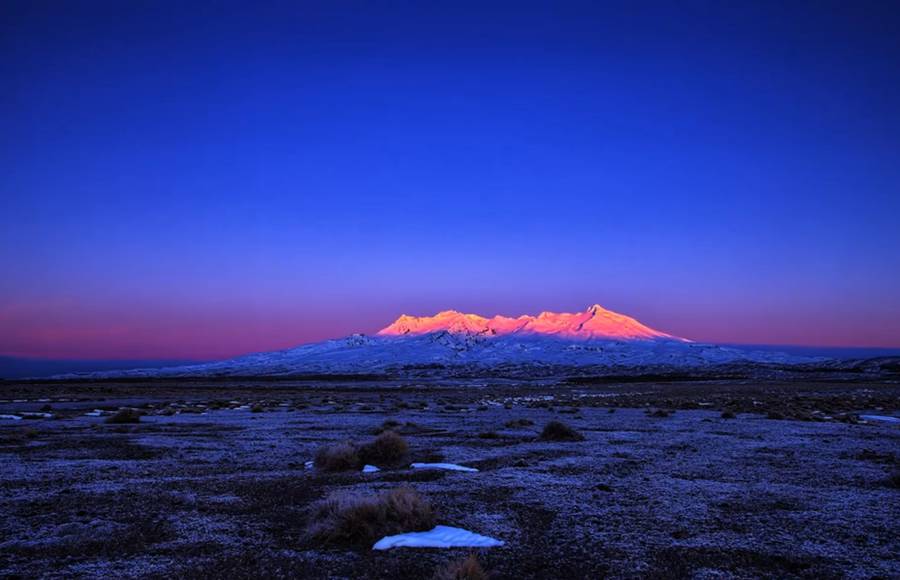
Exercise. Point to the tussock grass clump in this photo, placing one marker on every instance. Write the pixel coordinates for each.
(659, 413)
(467, 569)
(388, 448)
(728, 415)
(360, 521)
(337, 457)
(559, 431)
(488, 435)
(388, 425)
(125, 415)
(517, 423)
(257, 408)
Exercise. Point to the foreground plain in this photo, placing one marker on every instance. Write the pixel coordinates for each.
(712, 479)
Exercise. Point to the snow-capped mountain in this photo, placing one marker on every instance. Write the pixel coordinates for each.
(593, 338)
(594, 323)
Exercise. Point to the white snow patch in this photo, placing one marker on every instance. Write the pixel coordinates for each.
(369, 469)
(94, 413)
(885, 418)
(447, 466)
(37, 415)
(11, 417)
(308, 464)
(439, 537)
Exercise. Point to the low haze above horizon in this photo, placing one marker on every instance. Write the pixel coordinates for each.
(202, 180)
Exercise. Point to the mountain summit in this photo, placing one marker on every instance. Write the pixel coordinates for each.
(595, 322)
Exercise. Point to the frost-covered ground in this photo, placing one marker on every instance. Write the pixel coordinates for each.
(213, 481)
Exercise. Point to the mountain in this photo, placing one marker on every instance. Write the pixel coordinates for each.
(594, 323)
(453, 343)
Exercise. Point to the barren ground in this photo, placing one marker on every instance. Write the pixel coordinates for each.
(793, 486)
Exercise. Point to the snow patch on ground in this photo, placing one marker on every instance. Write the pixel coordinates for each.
(439, 537)
(885, 418)
(11, 417)
(447, 466)
(369, 469)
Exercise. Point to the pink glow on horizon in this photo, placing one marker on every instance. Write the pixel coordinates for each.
(69, 329)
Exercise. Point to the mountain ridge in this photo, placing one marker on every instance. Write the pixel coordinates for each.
(595, 339)
(595, 322)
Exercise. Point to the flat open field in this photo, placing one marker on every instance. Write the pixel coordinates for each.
(213, 482)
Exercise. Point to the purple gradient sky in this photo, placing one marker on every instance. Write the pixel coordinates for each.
(201, 181)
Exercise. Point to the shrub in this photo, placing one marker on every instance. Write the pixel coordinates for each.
(488, 435)
(388, 448)
(519, 423)
(468, 569)
(559, 431)
(660, 413)
(125, 415)
(257, 408)
(728, 415)
(361, 521)
(388, 425)
(337, 457)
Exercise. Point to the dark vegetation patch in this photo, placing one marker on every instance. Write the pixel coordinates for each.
(414, 476)
(388, 449)
(125, 415)
(686, 561)
(876, 457)
(466, 569)
(559, 431)
(893, 480)
(389, 424)
(337, 457)
(137, 535)
(105, 447)
(519, 423)
(352, 520)
(246, 565)
(759, 505)
(16, 436)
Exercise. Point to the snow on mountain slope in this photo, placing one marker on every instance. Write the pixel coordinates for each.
(594, 323)
(593, 338)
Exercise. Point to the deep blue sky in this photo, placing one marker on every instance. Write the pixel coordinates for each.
(198, 180)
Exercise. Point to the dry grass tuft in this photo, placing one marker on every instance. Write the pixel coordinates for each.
(388, 425)
(337, 457)
(389, 448)
(125, 415)
(467, 569)
(559, 431)
(361, 521)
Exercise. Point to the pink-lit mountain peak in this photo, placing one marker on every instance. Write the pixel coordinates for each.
(595, 322)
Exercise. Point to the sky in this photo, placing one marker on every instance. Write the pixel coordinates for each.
(197, 180)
